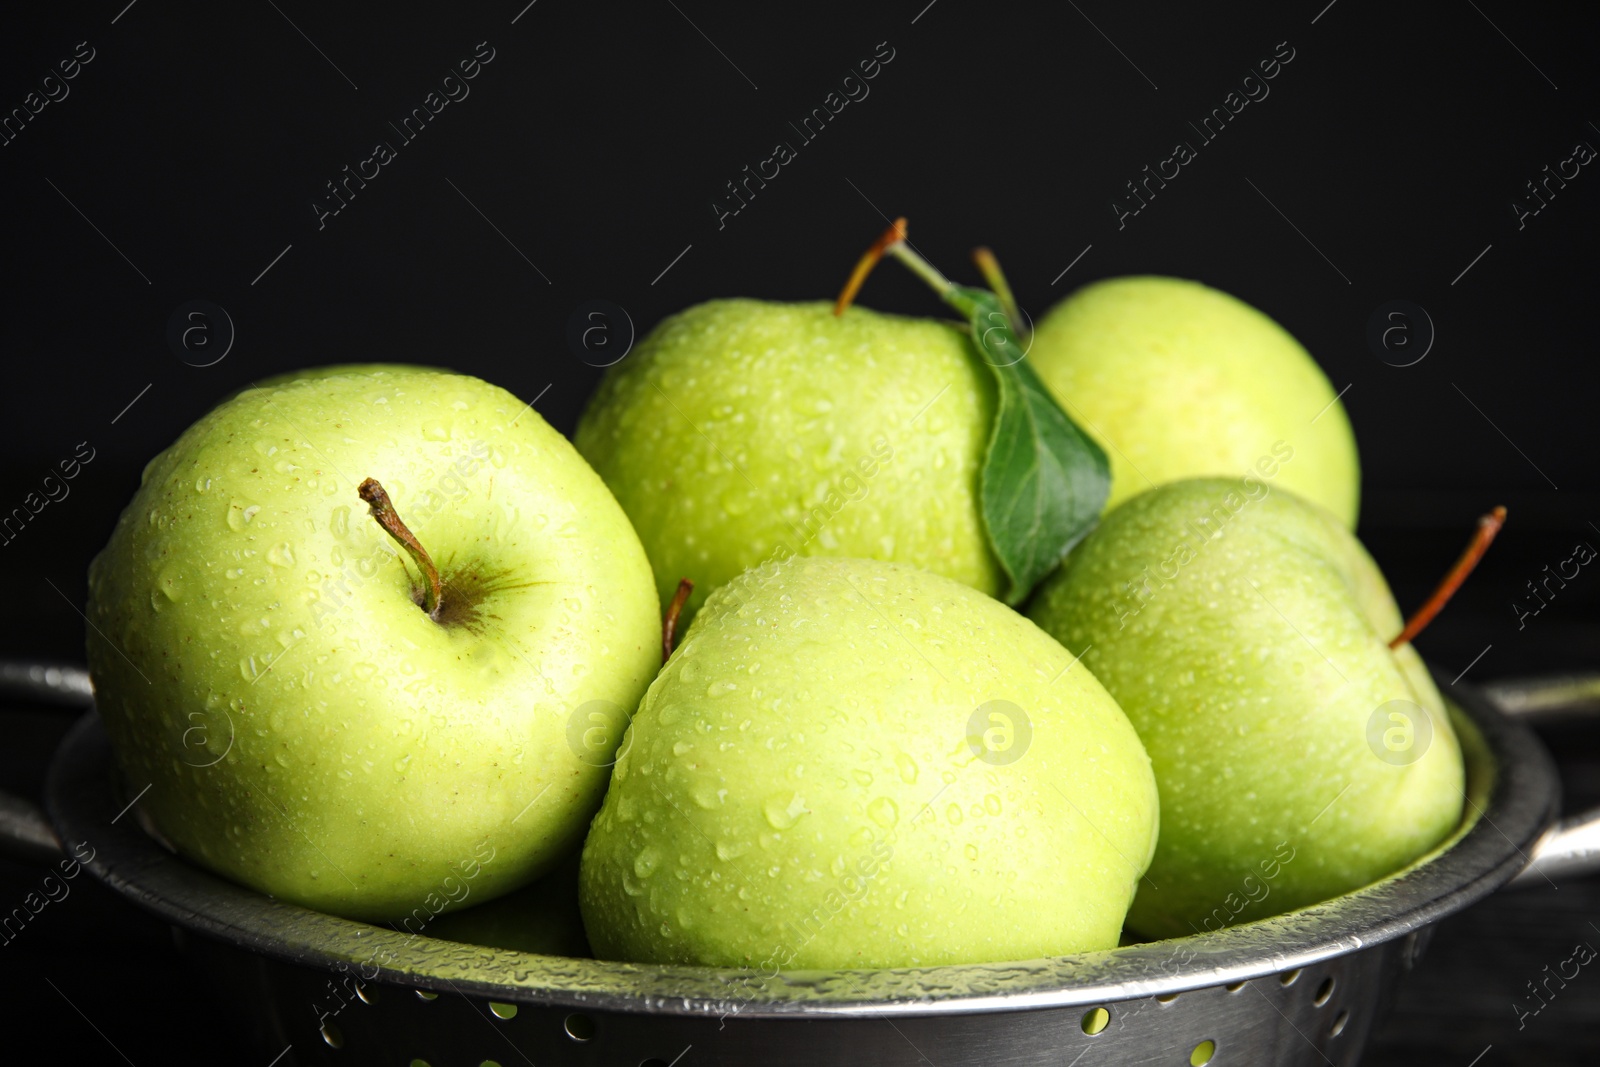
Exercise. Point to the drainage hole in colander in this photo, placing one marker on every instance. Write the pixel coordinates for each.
(1234, 987)
(1339, 1024)
(1289, 977)
(1095, 1020)
(503, 1011)
(1202, 1054)
(331, 1034)
(579, 1027)
(1324, 991)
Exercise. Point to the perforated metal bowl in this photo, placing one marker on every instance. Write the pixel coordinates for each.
(1302, 988)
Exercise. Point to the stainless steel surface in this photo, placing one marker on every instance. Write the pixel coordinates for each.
(47, 683)
(1301, 988)
(1555, 697)
(1572, 846)
(25, 833)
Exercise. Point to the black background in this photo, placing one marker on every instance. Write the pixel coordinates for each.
(1387, 157)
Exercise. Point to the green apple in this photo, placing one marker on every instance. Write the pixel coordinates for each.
(288, 714)
(1246, 634)
(852, 763)
(1179, 380)
(741, 431)
(542, 917)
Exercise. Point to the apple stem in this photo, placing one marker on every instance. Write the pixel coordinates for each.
(895, 234)
(989, 267)
(383, 510)
(1488, 526)
(893, 242)
(669, 624)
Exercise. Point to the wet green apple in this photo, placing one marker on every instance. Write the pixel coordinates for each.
(289, 715)
(1246, 634)
(1179, 380)
(742, 431)
(852, 763)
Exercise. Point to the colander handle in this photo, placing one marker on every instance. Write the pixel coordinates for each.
(25, 832)
(1572, 845)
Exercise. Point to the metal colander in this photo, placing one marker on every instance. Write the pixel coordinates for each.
(1301, 988)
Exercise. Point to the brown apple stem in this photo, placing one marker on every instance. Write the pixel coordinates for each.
(1488, 526)
(669, 624)
(895, 234)
(383, 510)
(989, 267)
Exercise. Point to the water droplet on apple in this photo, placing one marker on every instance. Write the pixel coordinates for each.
(908, 767)
(717, 689)
(202, 484)
(884, 811)
(863, 778)
(731, 850)
(646, 862)
(972, 852)
(991, 804)
(281, 554)
(339, 521)
(782, 809)
(436, 430)
(953, 813)
(240, 513)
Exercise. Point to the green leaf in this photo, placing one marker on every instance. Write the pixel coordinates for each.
(1044, 480)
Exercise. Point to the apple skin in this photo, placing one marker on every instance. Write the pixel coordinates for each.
(1179, 380)
(542, 917)
(742, 431)
(304, 727)
(1256, 722)
(798, 789)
